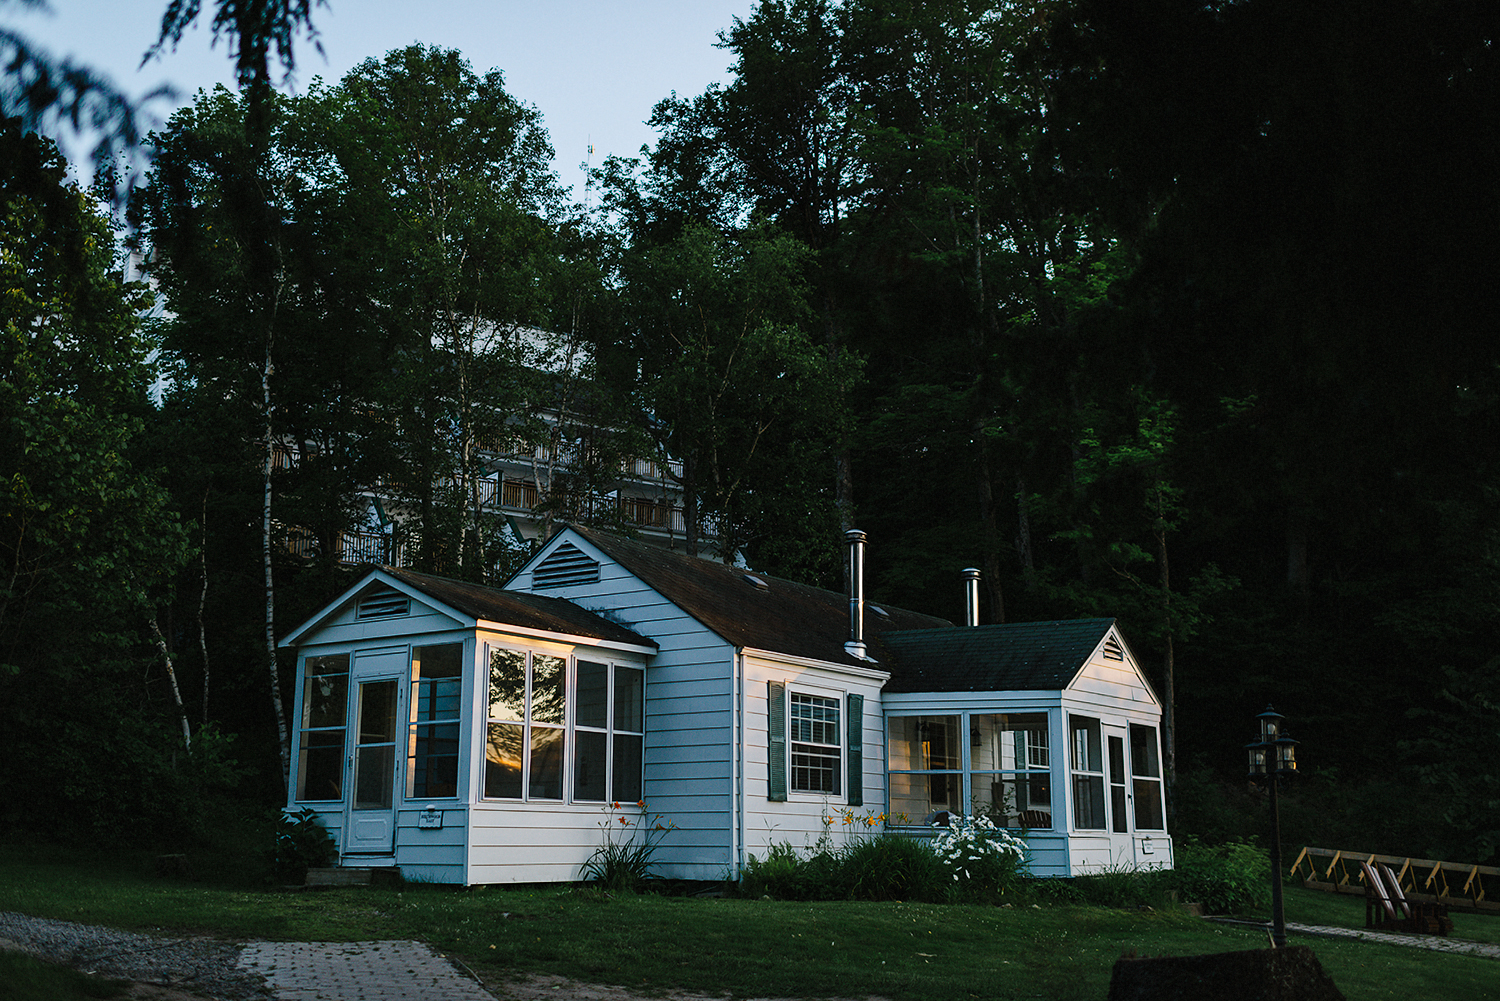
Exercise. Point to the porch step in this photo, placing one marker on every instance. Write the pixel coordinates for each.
(385, 875)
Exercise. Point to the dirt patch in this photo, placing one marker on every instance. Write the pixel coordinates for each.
(534, 988)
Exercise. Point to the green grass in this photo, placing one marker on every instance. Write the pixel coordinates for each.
(746, 947)
(25, 979)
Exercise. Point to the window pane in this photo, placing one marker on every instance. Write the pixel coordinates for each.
(325, 701)
(508, 685)
(502, 761)
(433, 766)
(548, 700)
(922, 742)
(441, 661)
(1088, 802)
(589, 750)
(377, 712)
(630, 699)
(337, 663)
(374, 776)
(1086, 754)
(627, 782)
(320, 767)
(546, 763)
(1008, 741)
(1143, 756)
(922, 799)
(815, 768)
(1014, 800)
(814, 719)
(1148, 809)
(593, 698)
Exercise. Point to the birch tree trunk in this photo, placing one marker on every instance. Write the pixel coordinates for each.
(283, 740)
(166, 656)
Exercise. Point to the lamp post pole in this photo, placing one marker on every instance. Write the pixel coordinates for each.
(1271, 758)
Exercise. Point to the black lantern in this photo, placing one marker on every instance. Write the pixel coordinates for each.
(1273, 758)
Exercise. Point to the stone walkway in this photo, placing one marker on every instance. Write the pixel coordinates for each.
(359, 971)
(1437, 943)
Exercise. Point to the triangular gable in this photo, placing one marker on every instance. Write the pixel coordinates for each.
(377, 580)
(1113, 664)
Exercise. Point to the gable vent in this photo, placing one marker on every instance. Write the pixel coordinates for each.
(383, 605)
(567, 565)
(1113, 650)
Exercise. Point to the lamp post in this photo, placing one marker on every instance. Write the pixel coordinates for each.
(1273, 758)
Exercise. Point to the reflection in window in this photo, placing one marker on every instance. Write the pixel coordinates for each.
(432, 742)
(530, 746)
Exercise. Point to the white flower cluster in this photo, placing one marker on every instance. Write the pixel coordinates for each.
(967, 840)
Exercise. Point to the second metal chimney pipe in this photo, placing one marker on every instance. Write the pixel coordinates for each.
(855, 647)
(971, 596)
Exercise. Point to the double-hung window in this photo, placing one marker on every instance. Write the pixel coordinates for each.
(815, 743)
(608, 734)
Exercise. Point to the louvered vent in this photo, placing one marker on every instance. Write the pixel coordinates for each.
(383, 605)
(568, 565)
(1113, 650)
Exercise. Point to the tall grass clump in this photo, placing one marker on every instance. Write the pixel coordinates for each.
(623, 861)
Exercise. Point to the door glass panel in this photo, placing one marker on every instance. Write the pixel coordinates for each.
(375, 752)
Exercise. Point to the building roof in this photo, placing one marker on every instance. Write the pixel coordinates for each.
(782, 617)
(518, 608)
(1015, 657)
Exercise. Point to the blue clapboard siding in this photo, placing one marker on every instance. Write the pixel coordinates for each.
(689, 718)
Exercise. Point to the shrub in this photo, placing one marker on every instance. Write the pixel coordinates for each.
(1121, 887)
(302, 843)
(893, 867)
(984, 862)
(778, 875)
(1231, 878)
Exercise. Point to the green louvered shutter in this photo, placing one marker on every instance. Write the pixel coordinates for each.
(776, 740)
(856, 716)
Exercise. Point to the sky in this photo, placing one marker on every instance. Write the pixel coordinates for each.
(594, 68)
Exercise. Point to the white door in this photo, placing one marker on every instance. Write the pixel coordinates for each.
(1117, 776)
(374, 760)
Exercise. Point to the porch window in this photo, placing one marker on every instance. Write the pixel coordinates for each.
(1010, 767)
(320, 736)
(432, 737)
(925, 768)
(1087, 763)
(532, 739)
(608, 732)
(1145, 775)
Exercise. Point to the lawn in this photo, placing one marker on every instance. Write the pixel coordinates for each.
(746, 947)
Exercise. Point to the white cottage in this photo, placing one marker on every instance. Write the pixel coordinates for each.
(474, 735)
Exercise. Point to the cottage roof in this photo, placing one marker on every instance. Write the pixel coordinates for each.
(1015, 657)
(518, 608)
(781, 617)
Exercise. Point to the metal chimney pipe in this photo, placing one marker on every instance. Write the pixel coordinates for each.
(855, 646)
(971, 596)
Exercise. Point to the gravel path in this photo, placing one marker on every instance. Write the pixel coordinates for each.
(203, 966)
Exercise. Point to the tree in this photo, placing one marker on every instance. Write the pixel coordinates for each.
(90, 545)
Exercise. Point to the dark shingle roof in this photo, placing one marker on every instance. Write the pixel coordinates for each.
(784, 617)
(1016, 657)
(518, 608)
